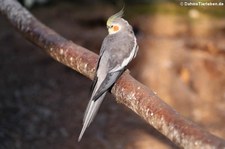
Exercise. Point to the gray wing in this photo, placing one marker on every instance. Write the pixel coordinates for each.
(107, 83)
(103, 48)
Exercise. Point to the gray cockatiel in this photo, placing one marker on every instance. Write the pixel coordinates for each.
(118, 49)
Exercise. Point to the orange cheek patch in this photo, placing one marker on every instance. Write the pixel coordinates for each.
(115, 28)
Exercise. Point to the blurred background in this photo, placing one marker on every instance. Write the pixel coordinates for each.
(181, 57)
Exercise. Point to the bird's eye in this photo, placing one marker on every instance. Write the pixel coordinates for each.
(111, 26)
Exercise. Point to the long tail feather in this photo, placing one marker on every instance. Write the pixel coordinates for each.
(90, 113)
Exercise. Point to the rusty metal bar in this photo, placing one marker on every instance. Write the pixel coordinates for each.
(127, 90)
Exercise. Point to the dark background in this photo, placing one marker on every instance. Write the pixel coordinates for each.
(181, 57)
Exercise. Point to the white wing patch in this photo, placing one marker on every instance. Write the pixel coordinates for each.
(127, 59)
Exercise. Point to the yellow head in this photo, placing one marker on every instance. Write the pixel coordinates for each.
(113, 23)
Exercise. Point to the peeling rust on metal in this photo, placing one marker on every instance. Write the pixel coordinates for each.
(158, 114)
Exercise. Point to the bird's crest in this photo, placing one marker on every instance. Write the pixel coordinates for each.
(115, 16)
